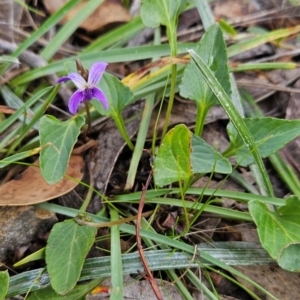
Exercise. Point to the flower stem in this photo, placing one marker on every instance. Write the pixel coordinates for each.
(88, 197)
(120, 124)
(88, 116)
(171, 33)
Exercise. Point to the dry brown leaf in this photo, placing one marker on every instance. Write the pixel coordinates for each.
(133, 78)
(107, 13)
(230, 9)
(7, 110)
(31, 188)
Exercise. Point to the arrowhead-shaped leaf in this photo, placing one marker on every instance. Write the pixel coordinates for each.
(57, 140)
(212, 50)
(172, 162)
(269, 134)
(279, 231)
(183, 154)
(205, 159)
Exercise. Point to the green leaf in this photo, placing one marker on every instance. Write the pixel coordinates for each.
(6, 58)
(269, 134)
(57, 141)
(205, 159)
(172, 162)
(121, 33)
(13, 101)
(39, 254)
(279, 231)
(227, 28)
(50, 22)
(4, 282)
(109, 56)
(78, 293)
(156, 12)
(16, 157)
(289, 257)
(183, 154)
(116, 259)
(235, 118)
(66, 249)
(212, 50)
(118, 95)
(229, 253)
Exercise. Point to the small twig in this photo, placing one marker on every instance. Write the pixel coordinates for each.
(139, 241)
(268, 86)
(88, 144)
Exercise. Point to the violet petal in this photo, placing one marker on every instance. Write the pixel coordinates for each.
(100, 96)
(76, 78)
(63, 79)
(96, 72)
(74, 101)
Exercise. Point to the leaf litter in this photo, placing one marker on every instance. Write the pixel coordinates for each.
(111, 164)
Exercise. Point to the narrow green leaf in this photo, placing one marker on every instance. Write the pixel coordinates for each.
(7, 58)
(183, 154)
(123, 32)
(50, 22)
(261, 39)
(227, 28)
(279, 230)
(269, 134)
(212, 50)
(4, 283)
(234, 116)
(39, 112)
(13, 101)
(116, 259)
(57, 141)
(109, 56)
(16, 157)
(78, 293)
(66, 249)
(230, 253)
(263, 66)
(39, 254)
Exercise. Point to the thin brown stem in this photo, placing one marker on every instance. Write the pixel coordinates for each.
(139, 241)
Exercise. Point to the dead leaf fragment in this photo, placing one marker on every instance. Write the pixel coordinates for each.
(106, 14)
(31, 188)
(281, 284)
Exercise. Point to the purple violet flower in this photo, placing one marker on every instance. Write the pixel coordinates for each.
(86, 90)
